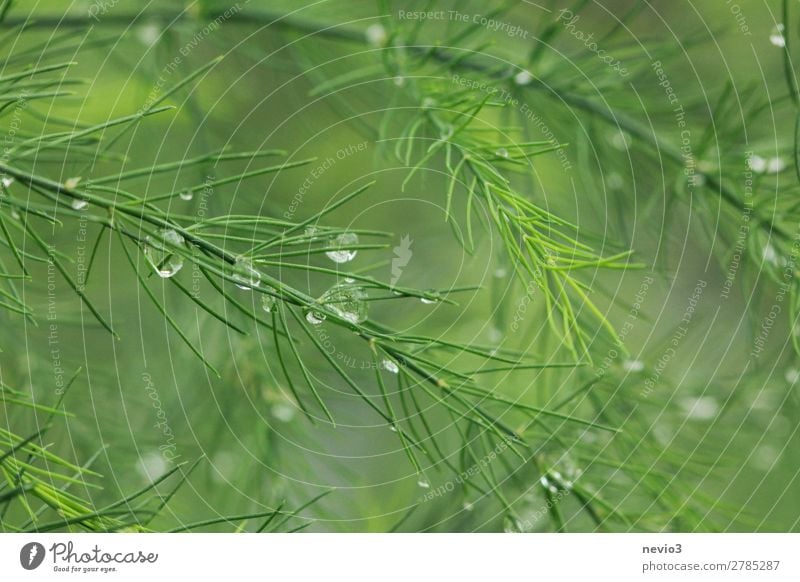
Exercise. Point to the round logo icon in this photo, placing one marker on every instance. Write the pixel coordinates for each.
(31, 555)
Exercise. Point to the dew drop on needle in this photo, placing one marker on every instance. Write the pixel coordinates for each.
(341, 252)
(245, 274)
(161, 253)
(347, 300)
(267, 302)
(314, 317)
(390, 366)
(776, 36)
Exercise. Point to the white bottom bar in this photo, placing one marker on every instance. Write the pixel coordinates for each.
(403, 557)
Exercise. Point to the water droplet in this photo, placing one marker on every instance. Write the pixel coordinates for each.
(633, 365)
(246, 276)
(495, 335)
(776, 165)
(186, 195)
(776, 36)
(148, 34)
(770, 255)
(468, 506)
(428, 102)
(15, 214)
(523, 78)
(349, 280)
(78, 204)
(390, 366)
(500, 273)
(314, 318)
(267, 302)
(72, 183)
(160, 253)
(392, 428)
(343, 255)
(792, 375)
(151, 466)
(757, 164)
(399, 81)
(429, 299)
(423, 482)
(701, 408)
(501, 153)
(6, 182)
(376, 35)
(346, 300)
(312, 232)
(283, 412)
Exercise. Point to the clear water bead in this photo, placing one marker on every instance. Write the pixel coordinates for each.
(160, 253)
(342, 254)
(314, 317)
(633, 365)
(430, 299)
(6, 182)
(267, 302)
(246, 276)
(390, 366)
(701, 408)
(770, 255)
(423, 482)
(523, 78)
(376, 35)
(346, 300)
(501, 153)
(757, 164)
(776, 36)
(72, 183)
(186, 195)
(78, 204)
(283, 412)
(776, 165)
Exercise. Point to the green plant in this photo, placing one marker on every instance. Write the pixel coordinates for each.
(471, 124)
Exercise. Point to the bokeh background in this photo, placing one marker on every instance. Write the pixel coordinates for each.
(709, 431)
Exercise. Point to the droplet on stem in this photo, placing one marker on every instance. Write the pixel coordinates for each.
(267, 302)
(346, 300)
(390, 366)
(342, 254)
(245, 274)
(776, 37)
(161, 255)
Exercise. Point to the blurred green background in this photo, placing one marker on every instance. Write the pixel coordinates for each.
(725, 423)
